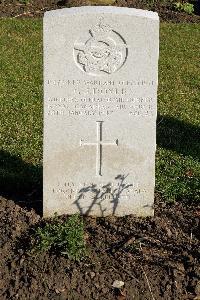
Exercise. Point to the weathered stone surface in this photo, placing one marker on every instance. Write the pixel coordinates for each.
(100, 91)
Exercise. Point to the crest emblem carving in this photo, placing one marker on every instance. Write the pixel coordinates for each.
(101, 51)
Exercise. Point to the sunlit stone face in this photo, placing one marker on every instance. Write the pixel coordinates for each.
(100, 94)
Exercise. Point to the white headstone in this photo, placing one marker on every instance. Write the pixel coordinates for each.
(100, 91)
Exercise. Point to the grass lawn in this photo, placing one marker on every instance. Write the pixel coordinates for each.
(21, 109)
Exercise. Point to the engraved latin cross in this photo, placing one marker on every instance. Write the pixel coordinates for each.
(99, 145)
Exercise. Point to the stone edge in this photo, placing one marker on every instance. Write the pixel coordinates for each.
(102, 10)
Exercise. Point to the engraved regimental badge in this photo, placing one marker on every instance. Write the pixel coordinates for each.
(101, 50)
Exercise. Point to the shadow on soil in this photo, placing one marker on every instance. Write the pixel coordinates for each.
(22, 182)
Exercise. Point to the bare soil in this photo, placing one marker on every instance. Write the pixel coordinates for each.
(36, 8)
(156, 257)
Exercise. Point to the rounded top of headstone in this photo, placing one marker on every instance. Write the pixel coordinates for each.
(102, 10)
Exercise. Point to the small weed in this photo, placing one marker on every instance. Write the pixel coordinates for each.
(133, 248)
(63, 237)
(24, 2)
(185, 7)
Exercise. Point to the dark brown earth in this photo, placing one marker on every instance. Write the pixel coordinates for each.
(156, 258)
(36, 8)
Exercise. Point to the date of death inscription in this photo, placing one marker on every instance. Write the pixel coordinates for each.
(87, 98)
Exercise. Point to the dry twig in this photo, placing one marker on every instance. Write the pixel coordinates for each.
(147, 280)
(148, 283)
(26, 13)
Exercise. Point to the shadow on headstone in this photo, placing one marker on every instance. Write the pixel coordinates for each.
(20, 181)
(176, 135)
(98, 195)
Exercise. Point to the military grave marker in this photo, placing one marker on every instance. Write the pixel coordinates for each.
(100, 94)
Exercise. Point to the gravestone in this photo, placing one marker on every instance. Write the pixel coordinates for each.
(100, 94)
